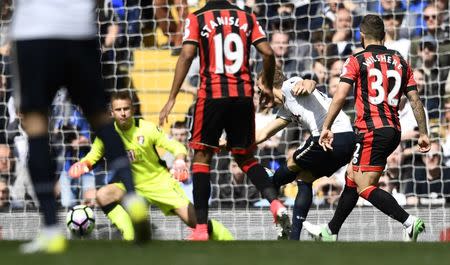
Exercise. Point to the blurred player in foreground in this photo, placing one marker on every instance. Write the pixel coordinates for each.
(381, 77)
(55, 44)
(303, 104)
(151, 176)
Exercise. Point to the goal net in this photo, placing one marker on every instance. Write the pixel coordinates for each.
(310, 38)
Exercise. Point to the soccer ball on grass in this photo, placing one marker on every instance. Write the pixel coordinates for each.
(80, 220)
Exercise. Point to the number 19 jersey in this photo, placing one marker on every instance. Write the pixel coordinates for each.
(223, 34)
(380, 76)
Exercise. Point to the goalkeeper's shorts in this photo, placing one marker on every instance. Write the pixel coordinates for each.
(167, 195)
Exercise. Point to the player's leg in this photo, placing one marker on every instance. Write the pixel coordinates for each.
(367, 187)
(38, 66)
(85, 87)
(309, 161)
(187, 214)
(240, 131)
(347, 201)
(201, 181)
(205, 133)
(291, 170)
(301, 208)
(216, 230)
(42, 168)
(108, 198)
(286, 174)
(259, 177)
(343, 149)
(384, 142)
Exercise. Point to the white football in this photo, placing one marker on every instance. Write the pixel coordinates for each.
(80, 220)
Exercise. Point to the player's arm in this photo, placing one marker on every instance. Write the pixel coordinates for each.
(304, 87)
(179, 168)
(418, 110)
(85, 164)
(419, 114)
(268, 62)
(188, 53)
(270, 130)
(259, 40)
(96, 153)
(337, 103)
(174, 147)
(268, 71)
(326, 135)
(191, 39)
(350, 73)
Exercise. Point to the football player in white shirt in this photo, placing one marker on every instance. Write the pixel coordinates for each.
(301, 103)
(55, 44)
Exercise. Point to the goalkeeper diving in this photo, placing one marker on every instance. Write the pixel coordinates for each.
(153, 181)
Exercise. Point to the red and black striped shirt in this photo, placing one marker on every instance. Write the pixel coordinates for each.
(223, 34)
(380, 76)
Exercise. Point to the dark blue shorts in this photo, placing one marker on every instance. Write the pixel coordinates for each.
(312, 157)
(45, 65)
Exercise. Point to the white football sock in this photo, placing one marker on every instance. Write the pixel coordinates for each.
(409, 222)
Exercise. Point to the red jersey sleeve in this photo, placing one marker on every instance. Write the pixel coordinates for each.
(258, 33)
(411, 82)
(350, 70)
(191, 32)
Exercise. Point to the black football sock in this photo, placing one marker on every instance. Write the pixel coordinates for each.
(283, 176)
(347, 201)
(201, 193)
(42, 169)
(109, 207)
(116, 156)
(258, 175)
(301, 208)
(387, 204)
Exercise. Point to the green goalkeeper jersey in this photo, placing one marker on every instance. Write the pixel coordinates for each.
(140, 143)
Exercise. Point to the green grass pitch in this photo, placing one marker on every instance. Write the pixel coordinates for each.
(234, 253)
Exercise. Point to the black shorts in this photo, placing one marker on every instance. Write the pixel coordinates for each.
(234, 115)
(373, 148)
(45, 65)
(312, 157)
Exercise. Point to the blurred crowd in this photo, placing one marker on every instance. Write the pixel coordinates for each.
(310, 38)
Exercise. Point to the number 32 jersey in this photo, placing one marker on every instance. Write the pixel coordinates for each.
(223, 34)
(380, 76)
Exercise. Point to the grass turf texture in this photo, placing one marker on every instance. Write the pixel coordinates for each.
(237, 252)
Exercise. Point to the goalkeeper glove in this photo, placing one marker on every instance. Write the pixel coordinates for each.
(79, 168)
(179, 170)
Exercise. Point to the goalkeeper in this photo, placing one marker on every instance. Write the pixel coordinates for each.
(152, 178)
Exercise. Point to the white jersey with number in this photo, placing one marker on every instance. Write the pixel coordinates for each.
(47, 19)
(310, 111)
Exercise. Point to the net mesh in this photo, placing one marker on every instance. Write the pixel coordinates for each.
(140, 40)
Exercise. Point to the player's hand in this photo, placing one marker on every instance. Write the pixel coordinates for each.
(223, 143)
(424, 144)
(326, 139)
(303, 88)
(266, 97)
(179, 170)
(79, 168)
(164, 114)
